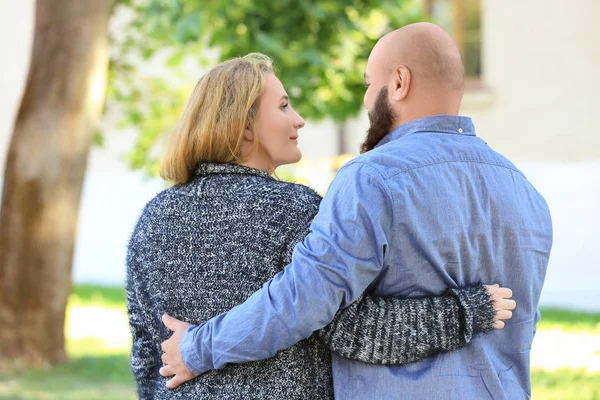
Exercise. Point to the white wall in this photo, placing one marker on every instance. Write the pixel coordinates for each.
(16, 39)
(541, 61)
(572, 190)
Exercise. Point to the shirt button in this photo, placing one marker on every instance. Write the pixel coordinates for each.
(459, 130)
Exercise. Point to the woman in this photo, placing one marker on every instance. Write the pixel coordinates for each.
(226, 227)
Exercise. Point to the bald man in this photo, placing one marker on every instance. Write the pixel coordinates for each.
(427, 205)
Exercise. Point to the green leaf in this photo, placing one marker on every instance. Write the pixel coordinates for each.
(98, 139)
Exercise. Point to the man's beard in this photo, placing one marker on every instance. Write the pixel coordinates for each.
(381, 118)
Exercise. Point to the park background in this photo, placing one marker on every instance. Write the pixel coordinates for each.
(532, 91)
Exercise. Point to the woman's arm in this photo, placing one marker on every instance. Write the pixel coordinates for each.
(391, 330)
(143, 360)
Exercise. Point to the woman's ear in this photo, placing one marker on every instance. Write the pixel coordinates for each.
(400, 83)
(248, 135)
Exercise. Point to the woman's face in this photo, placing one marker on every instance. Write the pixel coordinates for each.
(276, 124)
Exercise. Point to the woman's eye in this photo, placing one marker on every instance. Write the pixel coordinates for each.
(285, 105)
(367, 85)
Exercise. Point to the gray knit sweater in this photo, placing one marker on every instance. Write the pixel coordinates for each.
(201, 248)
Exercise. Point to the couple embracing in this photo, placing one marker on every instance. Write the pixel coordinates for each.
(373, 292)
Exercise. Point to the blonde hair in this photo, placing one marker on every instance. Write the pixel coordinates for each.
(211, 127)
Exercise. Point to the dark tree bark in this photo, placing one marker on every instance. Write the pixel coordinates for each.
(44, 173)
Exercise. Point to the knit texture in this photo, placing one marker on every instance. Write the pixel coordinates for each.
(391, 330)
(477, 310)
(201, 248)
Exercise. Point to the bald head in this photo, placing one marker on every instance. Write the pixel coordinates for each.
(427, 50)
(420, 69)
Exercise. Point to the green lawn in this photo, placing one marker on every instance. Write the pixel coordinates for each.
(98, 296)
(99, 368)
(569, 321)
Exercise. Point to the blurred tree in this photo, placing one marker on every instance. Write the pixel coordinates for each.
(319, 46)
(45, 167)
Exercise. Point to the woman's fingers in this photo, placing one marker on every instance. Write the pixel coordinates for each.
(503, 314)
(504, 292)
(503, 304)
(498, 325)
(507, 304)
(497, 291)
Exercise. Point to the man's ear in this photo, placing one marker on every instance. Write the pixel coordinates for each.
(401, 78)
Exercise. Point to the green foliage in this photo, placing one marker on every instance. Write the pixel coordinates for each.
(98, 139)
(320, 49)
(321, 46)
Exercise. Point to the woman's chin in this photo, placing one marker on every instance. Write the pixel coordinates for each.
(297, 157)
(291, 158)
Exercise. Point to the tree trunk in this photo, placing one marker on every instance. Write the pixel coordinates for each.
(45, 167)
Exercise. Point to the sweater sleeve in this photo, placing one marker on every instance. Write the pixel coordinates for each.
(143, 362)
(391, 330)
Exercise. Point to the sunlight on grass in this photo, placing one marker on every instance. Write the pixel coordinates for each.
(98, 343)
(98, 296)
(569, 321)
(565, 384)
(565, 356)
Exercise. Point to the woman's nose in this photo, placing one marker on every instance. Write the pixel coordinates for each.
(299, 122)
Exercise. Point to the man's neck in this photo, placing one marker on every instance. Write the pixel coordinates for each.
(416, 116)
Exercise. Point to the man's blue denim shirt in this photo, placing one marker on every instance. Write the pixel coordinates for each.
(431, 207)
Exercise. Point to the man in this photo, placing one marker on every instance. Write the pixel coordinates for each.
(426, 206)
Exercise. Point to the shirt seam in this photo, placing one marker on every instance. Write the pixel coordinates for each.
(445, 131)
(404, 171)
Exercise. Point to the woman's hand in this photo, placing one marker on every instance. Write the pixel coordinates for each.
(503, 304)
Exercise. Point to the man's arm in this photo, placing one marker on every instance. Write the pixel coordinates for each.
(390, 330)
(341, 256)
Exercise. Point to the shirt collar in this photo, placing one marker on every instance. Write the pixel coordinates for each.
(453, 124)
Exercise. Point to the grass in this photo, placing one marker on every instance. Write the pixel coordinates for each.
(91, 377)
(569, 321)
(99, 369)
(565, 384)
(98, 296)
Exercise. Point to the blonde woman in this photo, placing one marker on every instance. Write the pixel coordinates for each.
(226, 227)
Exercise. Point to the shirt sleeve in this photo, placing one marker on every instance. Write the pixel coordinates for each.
(341, 256)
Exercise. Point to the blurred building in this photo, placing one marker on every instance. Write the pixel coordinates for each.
(532, 92)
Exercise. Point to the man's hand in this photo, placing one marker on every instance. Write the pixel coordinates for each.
(503, 304)
(172, 359)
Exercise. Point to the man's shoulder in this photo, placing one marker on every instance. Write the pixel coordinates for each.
(428, 149)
